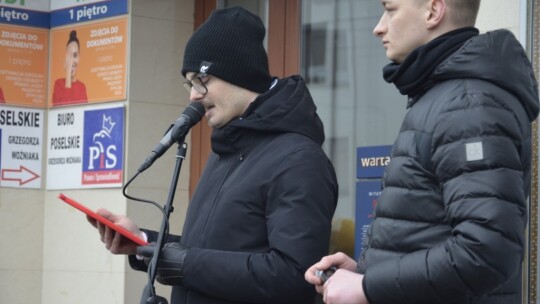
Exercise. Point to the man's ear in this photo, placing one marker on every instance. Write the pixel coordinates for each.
(436, 13)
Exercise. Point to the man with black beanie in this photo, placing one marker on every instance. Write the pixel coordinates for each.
(450, 222)
(262, 211)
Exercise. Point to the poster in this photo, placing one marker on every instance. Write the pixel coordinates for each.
(85, 147)
(371, 162)
(367, 193)
(21, 138)
(88, 53)
(24, 48)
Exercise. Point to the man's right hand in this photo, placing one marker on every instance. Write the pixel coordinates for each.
(115, 242)
(344, 286)
(339, 260)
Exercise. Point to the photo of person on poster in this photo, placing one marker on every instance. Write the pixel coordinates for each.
(70, 90)
(2, 98)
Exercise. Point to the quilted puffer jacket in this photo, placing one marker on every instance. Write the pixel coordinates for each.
(449, 224)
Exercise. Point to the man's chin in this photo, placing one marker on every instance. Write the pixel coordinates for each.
(214, 125)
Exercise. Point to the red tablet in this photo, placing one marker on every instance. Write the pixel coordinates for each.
(103, 220)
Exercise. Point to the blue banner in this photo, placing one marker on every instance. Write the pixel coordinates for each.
(371, 161)
(24, 17)
(94, 11)
(367, 194)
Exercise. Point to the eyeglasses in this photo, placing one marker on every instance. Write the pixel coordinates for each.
(197, 83)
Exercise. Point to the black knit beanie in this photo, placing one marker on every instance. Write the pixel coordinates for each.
(229, 45)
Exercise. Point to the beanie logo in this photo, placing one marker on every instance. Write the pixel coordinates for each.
(205, 66)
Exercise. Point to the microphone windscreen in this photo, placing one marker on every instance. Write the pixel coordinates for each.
(195, 111)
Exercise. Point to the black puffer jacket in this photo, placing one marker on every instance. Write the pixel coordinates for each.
(262, 211)
(450, 222)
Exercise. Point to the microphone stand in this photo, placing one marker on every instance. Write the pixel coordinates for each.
(149, 296)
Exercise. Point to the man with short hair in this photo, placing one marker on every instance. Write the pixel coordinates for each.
(450, 221)
(262, 211)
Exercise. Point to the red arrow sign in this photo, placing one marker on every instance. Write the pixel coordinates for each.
(23, 175)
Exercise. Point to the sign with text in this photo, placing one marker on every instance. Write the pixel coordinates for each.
(367, 193)
(85, 147)
(93, 58)
(71, 11)
(21, 137)
(23, 65)
(33, 13)
(372, 160)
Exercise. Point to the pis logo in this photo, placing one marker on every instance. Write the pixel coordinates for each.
(104, 154)
(103, 139)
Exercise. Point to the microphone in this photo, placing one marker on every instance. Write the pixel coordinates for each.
(178, 131)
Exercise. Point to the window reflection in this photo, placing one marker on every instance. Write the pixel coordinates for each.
(258, 7)
(342, 63)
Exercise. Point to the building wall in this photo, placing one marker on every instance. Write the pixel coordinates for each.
(495, 14)
(76, 266)
(50, 254)
(157, 97)
(21, 235)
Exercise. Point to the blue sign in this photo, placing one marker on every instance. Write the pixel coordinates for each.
(371, 161)
(17, 16)
(367, 194)
(103, 146)
(89, 12)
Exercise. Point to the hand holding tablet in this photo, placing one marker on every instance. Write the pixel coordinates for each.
(124, 232)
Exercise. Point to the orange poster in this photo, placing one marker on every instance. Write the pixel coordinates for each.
(88, 63)
(23, 65)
